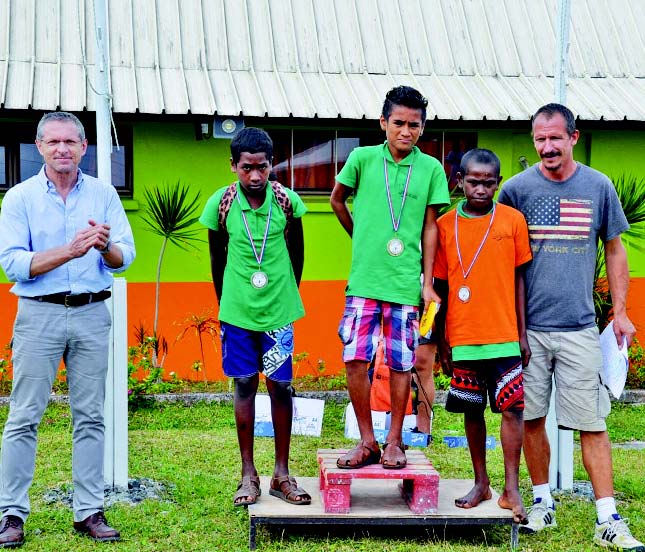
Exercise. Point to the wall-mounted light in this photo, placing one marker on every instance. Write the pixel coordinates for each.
(219, 127)
(227, 127)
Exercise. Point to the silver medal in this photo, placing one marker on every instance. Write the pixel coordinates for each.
(463, 294)
(395, 247)
(259, 279)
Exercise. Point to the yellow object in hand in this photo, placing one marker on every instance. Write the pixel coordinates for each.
(425, 326)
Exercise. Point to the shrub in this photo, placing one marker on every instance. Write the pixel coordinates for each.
(636, 372)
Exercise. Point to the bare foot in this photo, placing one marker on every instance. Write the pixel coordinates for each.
(477, 494)
(511, 500)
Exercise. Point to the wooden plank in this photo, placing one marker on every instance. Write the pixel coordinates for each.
(372, 499)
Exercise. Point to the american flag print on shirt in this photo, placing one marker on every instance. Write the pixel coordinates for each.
(556, 218)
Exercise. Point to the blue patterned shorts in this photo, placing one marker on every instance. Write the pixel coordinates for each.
(247, 352)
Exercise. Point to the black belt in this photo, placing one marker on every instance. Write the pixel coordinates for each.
(69, 300)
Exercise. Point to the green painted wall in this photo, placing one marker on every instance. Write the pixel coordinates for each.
(167, 152)
(617, 153)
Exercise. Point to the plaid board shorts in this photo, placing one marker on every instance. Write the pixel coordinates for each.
(360, 329)
(472, 380)
(247, 352)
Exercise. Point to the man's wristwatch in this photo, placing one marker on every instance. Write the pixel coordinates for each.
(106, 249)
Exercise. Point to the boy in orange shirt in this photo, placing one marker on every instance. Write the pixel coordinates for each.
(481, 323)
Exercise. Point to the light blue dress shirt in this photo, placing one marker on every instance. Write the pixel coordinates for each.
(34, 218)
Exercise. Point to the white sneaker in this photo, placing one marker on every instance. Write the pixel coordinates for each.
(615, 535)
(541, 516)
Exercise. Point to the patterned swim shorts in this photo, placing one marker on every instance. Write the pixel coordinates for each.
(360, 329)
(247, 352)
(471, 380)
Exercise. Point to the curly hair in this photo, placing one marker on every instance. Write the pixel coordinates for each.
(405, 96)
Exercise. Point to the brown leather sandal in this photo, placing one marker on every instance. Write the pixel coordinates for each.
(249, 490)
(286, 488)
(361, 455)
(399, 461)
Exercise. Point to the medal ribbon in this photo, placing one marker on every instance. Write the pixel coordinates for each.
(479, 249)
(396, 223)
(259, 257)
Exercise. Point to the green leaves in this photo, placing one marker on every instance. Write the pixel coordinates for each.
(171, 211)
(631, 192)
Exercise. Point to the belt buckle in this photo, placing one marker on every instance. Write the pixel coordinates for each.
(65, 302)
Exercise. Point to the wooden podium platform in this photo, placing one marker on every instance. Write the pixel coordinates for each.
(376, 502)
(419, 481)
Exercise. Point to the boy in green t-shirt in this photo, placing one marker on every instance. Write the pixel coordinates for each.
(257, 253)
(397, 190)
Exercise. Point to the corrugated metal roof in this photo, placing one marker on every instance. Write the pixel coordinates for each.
(473, 59)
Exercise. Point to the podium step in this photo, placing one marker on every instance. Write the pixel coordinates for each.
(419, 481)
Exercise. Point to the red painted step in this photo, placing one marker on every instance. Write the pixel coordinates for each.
(419, 481)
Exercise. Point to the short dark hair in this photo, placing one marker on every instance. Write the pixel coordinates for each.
(63, 116)
(251, 140)
(552, 109)
(405, 96)
(479, 155)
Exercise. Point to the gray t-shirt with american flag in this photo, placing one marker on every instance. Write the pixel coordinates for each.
(565, 221)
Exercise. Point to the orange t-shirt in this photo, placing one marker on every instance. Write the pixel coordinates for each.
(489, 315)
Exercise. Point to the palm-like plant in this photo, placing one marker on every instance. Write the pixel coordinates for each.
(631, 192)
(201, 324)
(171, 212)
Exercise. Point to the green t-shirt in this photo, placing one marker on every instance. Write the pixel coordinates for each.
(276, 304)
(375, 274)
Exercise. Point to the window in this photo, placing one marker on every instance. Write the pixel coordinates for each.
(449, 148)
(20, 159)
(308, 160)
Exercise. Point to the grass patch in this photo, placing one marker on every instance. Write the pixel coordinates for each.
(195, 448)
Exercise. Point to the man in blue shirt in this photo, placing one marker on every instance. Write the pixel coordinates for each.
(62, 235)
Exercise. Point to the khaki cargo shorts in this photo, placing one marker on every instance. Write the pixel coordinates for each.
(574, 358)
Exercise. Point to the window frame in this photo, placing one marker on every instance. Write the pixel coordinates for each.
(15, 133)
(344, 132)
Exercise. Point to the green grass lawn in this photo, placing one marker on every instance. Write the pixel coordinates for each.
(195, 449)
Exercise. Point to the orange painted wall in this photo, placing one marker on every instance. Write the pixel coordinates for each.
(315, 334)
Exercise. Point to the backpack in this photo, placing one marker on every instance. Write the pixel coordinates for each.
(380, 390)
(279, 191)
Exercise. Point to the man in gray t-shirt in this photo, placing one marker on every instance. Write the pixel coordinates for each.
(569, 207)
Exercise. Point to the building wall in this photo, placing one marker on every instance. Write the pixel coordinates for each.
(168, 152)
